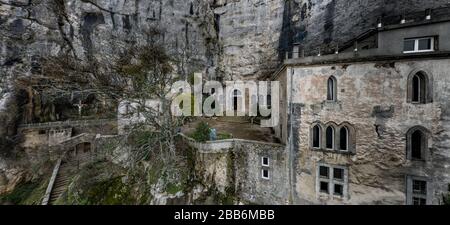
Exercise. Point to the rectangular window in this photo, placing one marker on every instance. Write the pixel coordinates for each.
(419, 187)
(409, 45)
(419, 201)
(332, 180)
(324, 172)
(265, 174)
(265, 161)
(416, 45)
(338, 173)
(338, 189)
(425, 44)
(324, 187)
(417, 193)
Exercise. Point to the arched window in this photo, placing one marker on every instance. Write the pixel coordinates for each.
(330, 138)
(419, 88)
(316, 136)
(331, 89)
(343, 139)
(417, 143)
(340, 138)
(236, 98)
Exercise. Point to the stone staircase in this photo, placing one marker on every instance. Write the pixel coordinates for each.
(61, 182)
(66, 170)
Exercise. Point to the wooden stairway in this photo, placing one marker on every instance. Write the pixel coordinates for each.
(61, 182)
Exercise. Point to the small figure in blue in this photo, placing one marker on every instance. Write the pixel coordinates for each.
(212, 134)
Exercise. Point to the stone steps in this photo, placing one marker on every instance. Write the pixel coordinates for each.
(64, 174)
(61, 182)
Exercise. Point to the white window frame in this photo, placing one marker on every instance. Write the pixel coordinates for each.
(331, 182)
(409, 190)
(268, 174)
(416, 45)
(262, 161)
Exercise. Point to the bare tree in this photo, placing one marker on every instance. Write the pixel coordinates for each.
(136, 74)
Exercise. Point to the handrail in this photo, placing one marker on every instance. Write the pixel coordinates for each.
(74, 138)
(51, 183)
(68, 122)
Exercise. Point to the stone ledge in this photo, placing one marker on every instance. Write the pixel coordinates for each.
(223, 145)
(333, 151)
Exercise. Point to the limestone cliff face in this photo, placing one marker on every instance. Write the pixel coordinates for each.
(228, 39)
(93, 28)
(249, 32)
(225, 39)
(314, 23)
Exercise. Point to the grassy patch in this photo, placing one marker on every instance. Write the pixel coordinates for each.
(174, 188)
(103, 183)
(224, 136)
(29, 193)
(109, 192)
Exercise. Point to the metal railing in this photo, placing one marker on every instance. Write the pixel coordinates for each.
(355, 45)
(67, 123)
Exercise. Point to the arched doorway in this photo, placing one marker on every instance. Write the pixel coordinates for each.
(237, 95)
(83, 148)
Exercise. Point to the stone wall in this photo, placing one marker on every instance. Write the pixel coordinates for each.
(372, 97)
(234, 167)
(248, 168)
(42, 142)
(232, 39)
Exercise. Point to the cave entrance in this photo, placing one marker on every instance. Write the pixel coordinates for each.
(81, 152)
(83, 149)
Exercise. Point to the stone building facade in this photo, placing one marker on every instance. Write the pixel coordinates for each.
(252, 172)
(371, 126)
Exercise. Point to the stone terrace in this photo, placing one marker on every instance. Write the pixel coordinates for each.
(238, 127)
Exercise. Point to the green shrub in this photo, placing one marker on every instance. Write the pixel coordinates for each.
(174, 188)
(20, 193)
(447, 199)
(201, 133)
